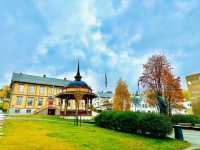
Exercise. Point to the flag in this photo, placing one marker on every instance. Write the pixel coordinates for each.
(106, 81)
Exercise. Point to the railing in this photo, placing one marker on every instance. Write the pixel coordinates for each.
(40, 109)
(45, 107)
(73, 113)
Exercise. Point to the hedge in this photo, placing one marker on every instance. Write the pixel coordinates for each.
(155, 125)
(185, 119)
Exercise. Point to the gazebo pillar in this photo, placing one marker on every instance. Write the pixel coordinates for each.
(86, 104)
(90, 103)
(77, 97)
(61, 105)
(65, 107)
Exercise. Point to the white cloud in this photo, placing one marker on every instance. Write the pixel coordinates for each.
(137, 37)
(65, 28)
(97, 36)
(78, 54)
(88, 75)
(6, 80)
(79, 27)
(124, 3)
(182, 8)
(88, 16)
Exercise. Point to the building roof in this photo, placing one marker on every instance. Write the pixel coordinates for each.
(193, 77)
(107, 94)
(24, 78)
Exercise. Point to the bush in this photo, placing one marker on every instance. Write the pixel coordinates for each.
(1, 105)
(156, 125)
(185, 119)
(134, 122)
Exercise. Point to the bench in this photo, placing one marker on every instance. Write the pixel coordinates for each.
(197, 125)
(190, 126)
(185, 124)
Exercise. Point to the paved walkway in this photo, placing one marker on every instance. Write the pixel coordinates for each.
(1, 124)
(191, 136)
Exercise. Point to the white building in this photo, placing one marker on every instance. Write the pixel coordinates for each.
(140, 104)
(186, 110)
(103, 101)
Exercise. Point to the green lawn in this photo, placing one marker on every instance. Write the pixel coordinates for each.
(51, 133)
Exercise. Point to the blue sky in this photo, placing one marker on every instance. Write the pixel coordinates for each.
(113, 36)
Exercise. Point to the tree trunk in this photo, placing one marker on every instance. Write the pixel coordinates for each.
(162, 105)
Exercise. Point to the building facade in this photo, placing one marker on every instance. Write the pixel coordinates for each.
(193, 83)
(34, 94)
(185, 110)
(103, 100)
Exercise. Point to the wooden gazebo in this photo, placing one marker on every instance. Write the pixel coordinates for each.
(76, 98)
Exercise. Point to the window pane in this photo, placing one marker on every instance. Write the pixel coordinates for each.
(31, 89)
(17, 110)
(51, 91)
(21, 88)
(41, 89)
(30, 101)
(28, 111)
(40, 102)
(19, 100)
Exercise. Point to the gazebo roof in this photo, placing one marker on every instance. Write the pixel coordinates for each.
(70, 95)
(77, 87)
(77, 84)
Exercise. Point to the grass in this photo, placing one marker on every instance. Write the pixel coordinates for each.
(52, 133)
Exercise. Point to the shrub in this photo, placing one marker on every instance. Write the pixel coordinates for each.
(104, 119)
(132, 122)
(185, 119)
(126, 121)
(1, 105)
(156, 125)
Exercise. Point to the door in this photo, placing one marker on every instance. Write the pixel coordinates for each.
(51, 111)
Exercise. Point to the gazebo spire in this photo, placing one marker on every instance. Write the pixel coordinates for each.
(78, 76)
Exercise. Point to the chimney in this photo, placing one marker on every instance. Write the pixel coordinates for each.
(44, 76)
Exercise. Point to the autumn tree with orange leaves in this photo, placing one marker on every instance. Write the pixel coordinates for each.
(121, 99)
(173, 93)
(163, 88)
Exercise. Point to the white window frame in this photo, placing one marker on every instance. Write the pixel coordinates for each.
(19, 100)
(31, 89)
(42, 89)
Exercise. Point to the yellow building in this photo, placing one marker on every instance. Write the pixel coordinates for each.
(34, 94)
(193, 83)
